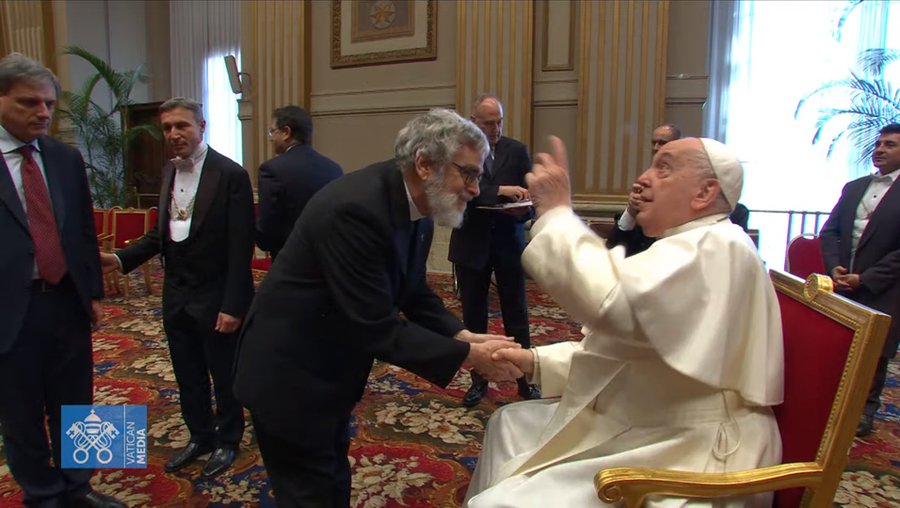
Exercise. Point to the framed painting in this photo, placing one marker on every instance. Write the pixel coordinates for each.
(372, 32)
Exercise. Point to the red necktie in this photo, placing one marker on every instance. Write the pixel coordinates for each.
(48, 251)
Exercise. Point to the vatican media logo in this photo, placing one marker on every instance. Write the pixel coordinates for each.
(107, 437)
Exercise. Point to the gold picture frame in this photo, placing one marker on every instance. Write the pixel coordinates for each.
(374, 32)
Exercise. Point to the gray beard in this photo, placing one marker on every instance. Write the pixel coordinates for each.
(443, 204)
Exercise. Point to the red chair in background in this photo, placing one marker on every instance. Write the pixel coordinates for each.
(804, 256)
(831, 348)
(262, 260)
(127, 226)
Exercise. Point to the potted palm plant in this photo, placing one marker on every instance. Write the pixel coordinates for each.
(860, 104)
(104, 135)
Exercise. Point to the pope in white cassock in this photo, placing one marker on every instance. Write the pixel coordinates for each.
(681, 358)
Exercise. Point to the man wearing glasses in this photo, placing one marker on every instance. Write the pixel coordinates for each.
(332, 304)
(288, 181)
(491, 241)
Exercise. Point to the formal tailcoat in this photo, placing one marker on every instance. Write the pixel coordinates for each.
(877, 258)
(209, 272)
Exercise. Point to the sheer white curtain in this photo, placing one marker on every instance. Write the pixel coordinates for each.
(780, 51)
(202, 33)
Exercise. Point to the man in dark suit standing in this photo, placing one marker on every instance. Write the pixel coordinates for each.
(491, 241)
(861, 249)
(52, 288)
(288, 181)
(332, 301)
(627, 232)
(205, 237)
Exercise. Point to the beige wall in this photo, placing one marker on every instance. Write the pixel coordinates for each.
(357, 111)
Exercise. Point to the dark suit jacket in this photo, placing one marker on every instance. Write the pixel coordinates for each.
(636, 241)
(332, 302)
(285, 185)
(214, 274)
(481, 229)
(73, 209)
(877, 256)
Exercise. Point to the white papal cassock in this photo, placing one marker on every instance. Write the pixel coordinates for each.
(680, 362)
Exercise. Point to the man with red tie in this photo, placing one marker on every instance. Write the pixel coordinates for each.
(51, 288)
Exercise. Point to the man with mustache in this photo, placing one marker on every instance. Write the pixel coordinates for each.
(682, 358)
(491, 242)
(333, 299)
(51, 288)
(861, 249)
(204, 235)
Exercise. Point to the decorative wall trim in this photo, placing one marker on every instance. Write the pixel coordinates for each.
(495, 54)
(621, 94)
(561, 8)
(382, 100)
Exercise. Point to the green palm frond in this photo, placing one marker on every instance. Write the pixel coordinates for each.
(104, 134)
(858, 106)
(873, 61)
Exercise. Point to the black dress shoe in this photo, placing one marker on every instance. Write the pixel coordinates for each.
(94, 499)
(529, 392)
(218, 462)
(866, 425)
(475, 393)
(186, 455)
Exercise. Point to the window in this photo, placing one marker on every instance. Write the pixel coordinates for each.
(780, 51)
(223, 128)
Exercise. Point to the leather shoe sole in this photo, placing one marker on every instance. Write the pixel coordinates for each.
(185, 456)
(474, 394)
(220, 460)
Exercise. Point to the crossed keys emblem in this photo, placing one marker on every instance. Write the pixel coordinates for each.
(95, 434)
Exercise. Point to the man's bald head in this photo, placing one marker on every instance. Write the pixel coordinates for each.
(487, 114)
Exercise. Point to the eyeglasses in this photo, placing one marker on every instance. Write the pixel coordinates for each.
(272, 130)
(469, 174)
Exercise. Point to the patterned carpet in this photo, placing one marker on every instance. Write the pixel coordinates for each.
(414, 444)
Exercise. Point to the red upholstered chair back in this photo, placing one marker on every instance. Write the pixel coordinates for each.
(152, 217)
(804, 256)
(100, 220)
(128, 225)
(815, 351)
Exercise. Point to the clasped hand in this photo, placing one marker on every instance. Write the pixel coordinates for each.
(481, 351)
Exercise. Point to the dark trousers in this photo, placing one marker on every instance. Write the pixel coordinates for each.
(50, 365)
(305, 457)
(873, 400)
(474, 286)
(198, 352)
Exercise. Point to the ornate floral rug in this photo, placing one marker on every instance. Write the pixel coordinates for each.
(414, 445)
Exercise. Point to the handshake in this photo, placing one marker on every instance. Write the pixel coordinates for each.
(495, 357)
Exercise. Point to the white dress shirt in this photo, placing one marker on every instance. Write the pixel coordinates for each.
(878, 186)
(184, 191)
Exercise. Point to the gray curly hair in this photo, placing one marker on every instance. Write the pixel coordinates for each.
(438, 135)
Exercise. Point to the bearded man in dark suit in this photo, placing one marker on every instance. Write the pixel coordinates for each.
(332, 301)
(51, 288)
(861, 249)
(287, 182)
(204, 235)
